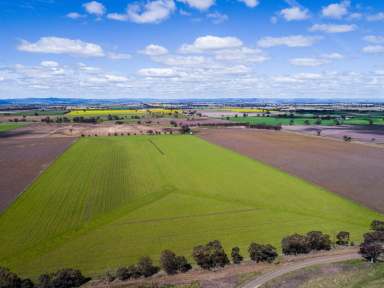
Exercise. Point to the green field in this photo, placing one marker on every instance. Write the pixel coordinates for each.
(109, 200)
(4, 127)
(302, 120)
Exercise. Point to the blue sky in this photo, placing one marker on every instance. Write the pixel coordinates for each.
(192, 48)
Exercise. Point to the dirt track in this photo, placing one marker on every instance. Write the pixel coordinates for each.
(352, 170)
(22, 160)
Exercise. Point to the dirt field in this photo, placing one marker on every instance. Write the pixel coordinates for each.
(352, 170)
(22, 160)
(369, 133)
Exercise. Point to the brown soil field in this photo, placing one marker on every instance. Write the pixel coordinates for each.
(22, 160)
(353, 170)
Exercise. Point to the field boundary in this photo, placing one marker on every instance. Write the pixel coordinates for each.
(156, 147)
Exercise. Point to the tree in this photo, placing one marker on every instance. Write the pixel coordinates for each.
(235, 255)
(185, 129)
(342, 238)
(373, 252)
(168, 262)
(146, 268)
(122, 273)
(64, 278)
(262, 253)
(210, 256)
(27, 283)
(182, 264)
(9, 279)
(295, 244)
(377, 225)
(318, 241)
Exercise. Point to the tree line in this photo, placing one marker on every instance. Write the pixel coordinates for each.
(208, 257)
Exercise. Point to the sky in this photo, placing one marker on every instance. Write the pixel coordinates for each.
(183, 49)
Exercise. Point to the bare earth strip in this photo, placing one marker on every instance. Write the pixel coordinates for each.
(23, 159)
(352, 170)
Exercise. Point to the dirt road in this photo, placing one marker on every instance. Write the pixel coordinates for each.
(263, 279)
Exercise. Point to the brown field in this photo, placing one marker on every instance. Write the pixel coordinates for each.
(23, 159)
(355, 171)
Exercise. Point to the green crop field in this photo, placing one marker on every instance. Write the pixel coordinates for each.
(109, 200)
(302, 120)
(4, 127)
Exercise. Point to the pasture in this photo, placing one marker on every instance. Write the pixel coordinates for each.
(121, 112)
(109, 200)
(4, 127)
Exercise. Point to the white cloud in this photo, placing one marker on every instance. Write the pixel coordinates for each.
(154, 50)
(250, 3)
(333, 28)
(74, 15)
(177, 60)
(95, 8)
(115, 78)
(57, 45)
(217, 18)
(374, 39)
(294, 13)
(118, 56)
(336, 10)
(49, 64)
(332, 56)
(210, 42)
(376, 17)
(158, 72)
(242, 54)
(152, 12)
(311, 62)
(374, 49)
(199, 4)
(289, 41)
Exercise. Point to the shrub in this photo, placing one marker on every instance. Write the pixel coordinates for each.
(182, 264)
(27, 283)
(295, 244)
(146, 268)
(9, 279)
(372, 247)
(168, 262)
(318, 241)
(262, 253)
(342, 238)
(235, 255)
(122, 273)
(210, 256)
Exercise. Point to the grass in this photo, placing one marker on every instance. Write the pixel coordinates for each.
(302, 120)
(354, 274)
(4, 127)
(121, 112)
(109, 200)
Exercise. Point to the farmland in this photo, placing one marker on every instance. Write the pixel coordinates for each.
(4, 127)
(307, 120)
(109, 200)
(121, 112)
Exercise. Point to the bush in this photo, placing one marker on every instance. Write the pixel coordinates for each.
(210, 256)
(146, 268)
(262, 253)
(295, 244)
(182, 264)
(9, 279)
(123, 273)
(318, 241)
(235, 255)
(65, 278)
(168, 262)
(372, 247)
(342, 238)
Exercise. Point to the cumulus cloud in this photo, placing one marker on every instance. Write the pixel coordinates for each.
(333, 28)
(376, 17)
(154, 50)
(374, 49)
(118, 56)
(95, 8)
(75, 15)
(210, 42)
(242, 54)
(289, 41)
(49, 64)
(151, 12)
(250, 3)
(311, 62)
(217, 18)
(336, 10)
(177, 60)
(199, 4)
(294, 14)
(158, 72)
(374, 39)
(57, 45)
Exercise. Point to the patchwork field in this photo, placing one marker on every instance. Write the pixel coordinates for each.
(4, 127)
(120, 112)
(109, 200)
(353, 170)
